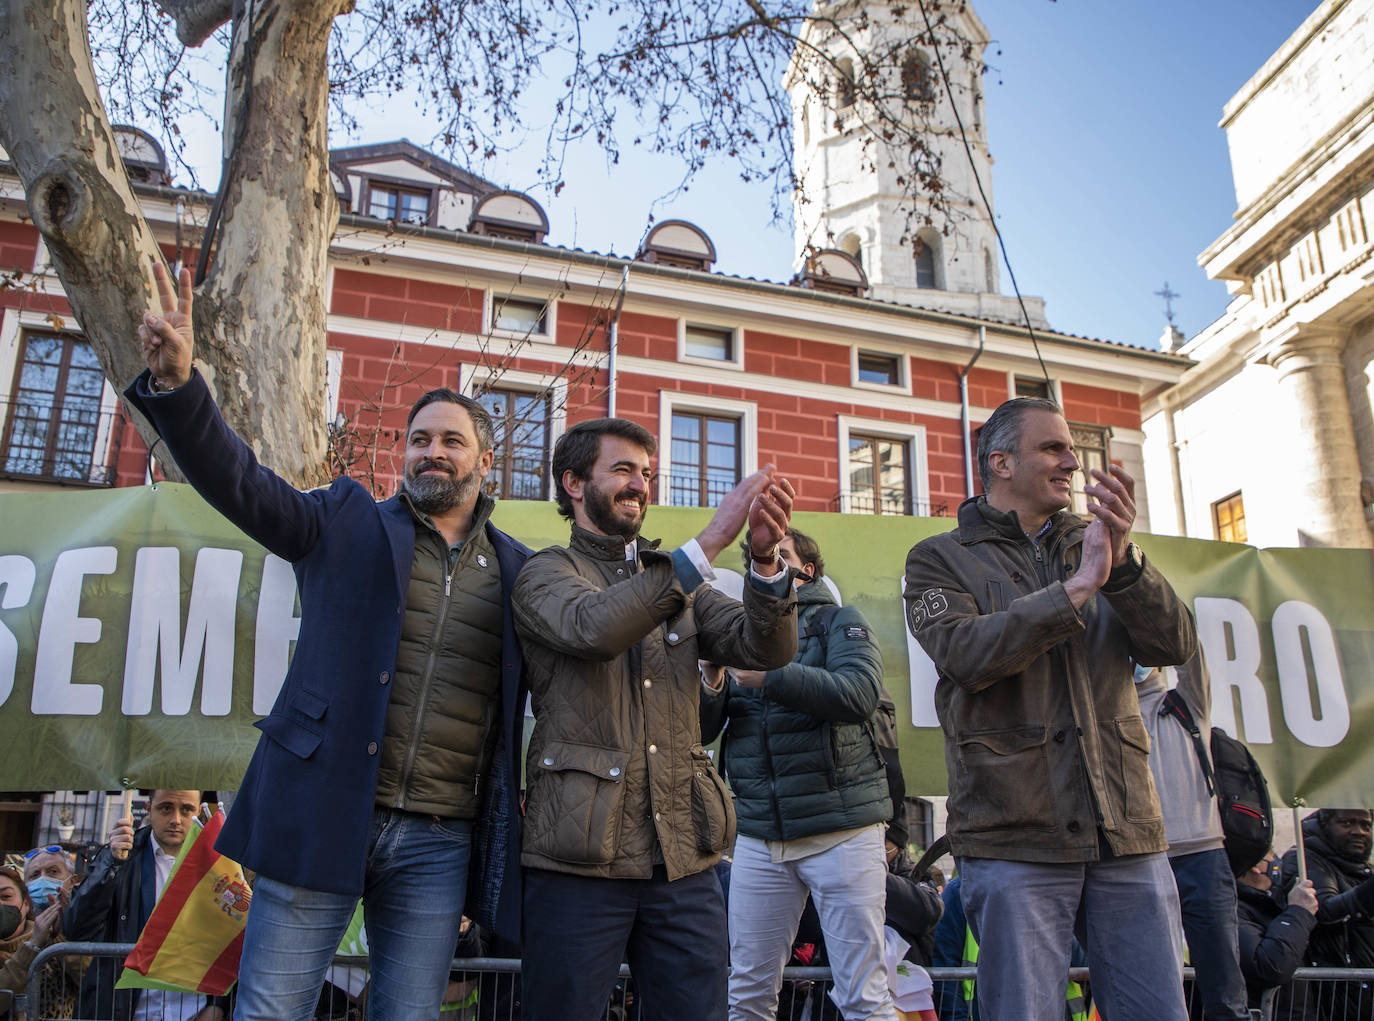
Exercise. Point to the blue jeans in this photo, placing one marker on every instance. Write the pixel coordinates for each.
(1023, 915)
(415, 880)
(1207, 893)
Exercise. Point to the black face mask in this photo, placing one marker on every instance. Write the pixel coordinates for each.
(10, 920)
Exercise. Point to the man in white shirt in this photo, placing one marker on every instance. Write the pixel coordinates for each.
(113, 904)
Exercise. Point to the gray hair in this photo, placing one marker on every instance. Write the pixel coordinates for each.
(481, 420)
(1002, 430)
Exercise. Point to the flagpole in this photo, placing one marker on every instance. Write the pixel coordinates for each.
(126, 811)
(1298, 803)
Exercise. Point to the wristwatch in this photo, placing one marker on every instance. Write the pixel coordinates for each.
(1135, 557)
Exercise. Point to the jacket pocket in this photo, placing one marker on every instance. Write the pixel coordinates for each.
(298, 738)
(1126, 751)
(713, 811)
(1005, 780)
(577, 804)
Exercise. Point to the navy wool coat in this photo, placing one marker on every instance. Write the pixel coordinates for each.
(303, 812)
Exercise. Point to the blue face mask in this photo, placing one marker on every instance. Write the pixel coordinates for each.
(1142, 672)
(43, 890)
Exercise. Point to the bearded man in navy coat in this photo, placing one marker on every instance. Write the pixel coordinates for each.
(388, 769)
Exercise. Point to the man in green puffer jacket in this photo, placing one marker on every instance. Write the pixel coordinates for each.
(811, 799)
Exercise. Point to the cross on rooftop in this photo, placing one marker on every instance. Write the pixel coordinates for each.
(1168, 297)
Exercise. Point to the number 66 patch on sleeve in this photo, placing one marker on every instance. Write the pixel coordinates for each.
(925, 608)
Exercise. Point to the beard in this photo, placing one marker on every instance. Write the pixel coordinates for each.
(435, 494)
(610, 519)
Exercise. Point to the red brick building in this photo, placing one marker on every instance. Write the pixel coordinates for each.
(441, 278)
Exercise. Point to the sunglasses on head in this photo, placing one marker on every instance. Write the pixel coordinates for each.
(50, 849)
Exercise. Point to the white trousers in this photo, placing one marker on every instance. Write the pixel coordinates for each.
(849, 886)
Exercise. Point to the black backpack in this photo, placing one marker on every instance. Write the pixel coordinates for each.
(1242, 793)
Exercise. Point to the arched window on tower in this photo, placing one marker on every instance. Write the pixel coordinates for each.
(927, 260)
(844, 85)
(975, 91)
(918, 85)
(850, 245)
(989, 272)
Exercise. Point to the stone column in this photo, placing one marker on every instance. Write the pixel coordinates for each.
(1327, 482)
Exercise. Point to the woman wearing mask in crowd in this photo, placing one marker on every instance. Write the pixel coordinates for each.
(22, 932)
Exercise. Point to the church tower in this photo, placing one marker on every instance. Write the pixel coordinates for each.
(865, 84)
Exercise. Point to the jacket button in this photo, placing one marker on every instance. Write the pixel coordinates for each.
(615, 770)
(672, 636)
(620, 570)
(548, 761)
(648, 683)
(1059, 736)
(1073, 825)
(398, 608)
(386, 677)
(657, 816)
(372, 748)
(653, 749)
(1015, 575)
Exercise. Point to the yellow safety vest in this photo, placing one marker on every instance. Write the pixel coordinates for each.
(1075, 1007)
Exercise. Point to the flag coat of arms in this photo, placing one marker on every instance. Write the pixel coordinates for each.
(194, 936)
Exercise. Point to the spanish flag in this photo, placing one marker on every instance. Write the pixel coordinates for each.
(194, 936)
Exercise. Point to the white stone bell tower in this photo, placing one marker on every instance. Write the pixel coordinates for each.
(880, 69)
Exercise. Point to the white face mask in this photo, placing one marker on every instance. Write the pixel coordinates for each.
(1142, 672)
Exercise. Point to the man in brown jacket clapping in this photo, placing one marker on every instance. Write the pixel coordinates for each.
(625, 811)
(1033, 615)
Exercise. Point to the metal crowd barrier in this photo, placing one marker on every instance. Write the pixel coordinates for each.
(487, 989)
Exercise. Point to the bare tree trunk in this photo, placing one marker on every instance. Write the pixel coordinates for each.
(260, 319)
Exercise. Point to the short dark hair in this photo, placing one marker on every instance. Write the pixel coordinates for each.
(1002, 430)
(808, 551)
(577, 450)
(481, 421)
(1325, 816)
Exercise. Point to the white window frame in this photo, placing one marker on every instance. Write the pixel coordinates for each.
(1011, 385)
(333, 382)
(914, 436)
(736, 359)
(670, 401)
(13, 324)
(472, 377)
(550, 304)
(903, 384)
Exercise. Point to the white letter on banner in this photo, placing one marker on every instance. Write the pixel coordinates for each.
(1241, 671)
(155, 621)
(62, 629)
(17, 575)
(923, 676)
(278, 627)
(1290, 620)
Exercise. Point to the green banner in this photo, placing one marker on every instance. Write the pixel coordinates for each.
(141, 635)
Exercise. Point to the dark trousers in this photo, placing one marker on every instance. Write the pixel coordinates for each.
(1207, 895)
(578, 930)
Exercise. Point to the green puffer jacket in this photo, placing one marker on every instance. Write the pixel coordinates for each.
(800, 752)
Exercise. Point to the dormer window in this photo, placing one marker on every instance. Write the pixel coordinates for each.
(394, 202)
(680, 244)
(511, 215)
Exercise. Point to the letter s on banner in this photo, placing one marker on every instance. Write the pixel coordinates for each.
(17, 575)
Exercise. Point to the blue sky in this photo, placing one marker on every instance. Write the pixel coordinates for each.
(1111, 174)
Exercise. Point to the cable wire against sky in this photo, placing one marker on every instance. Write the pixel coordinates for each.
(987, 206)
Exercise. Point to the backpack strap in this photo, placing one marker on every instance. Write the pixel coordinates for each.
(1173, 705)
(819, 627)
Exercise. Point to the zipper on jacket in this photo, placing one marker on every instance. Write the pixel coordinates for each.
(772, 776)
(427, 678)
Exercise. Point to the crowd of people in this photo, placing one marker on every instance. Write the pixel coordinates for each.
(390, 769)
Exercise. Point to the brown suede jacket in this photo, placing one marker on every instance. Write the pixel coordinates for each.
(615, 769)
(1044, 744)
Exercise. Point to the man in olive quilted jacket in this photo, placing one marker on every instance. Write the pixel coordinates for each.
(625, 811)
